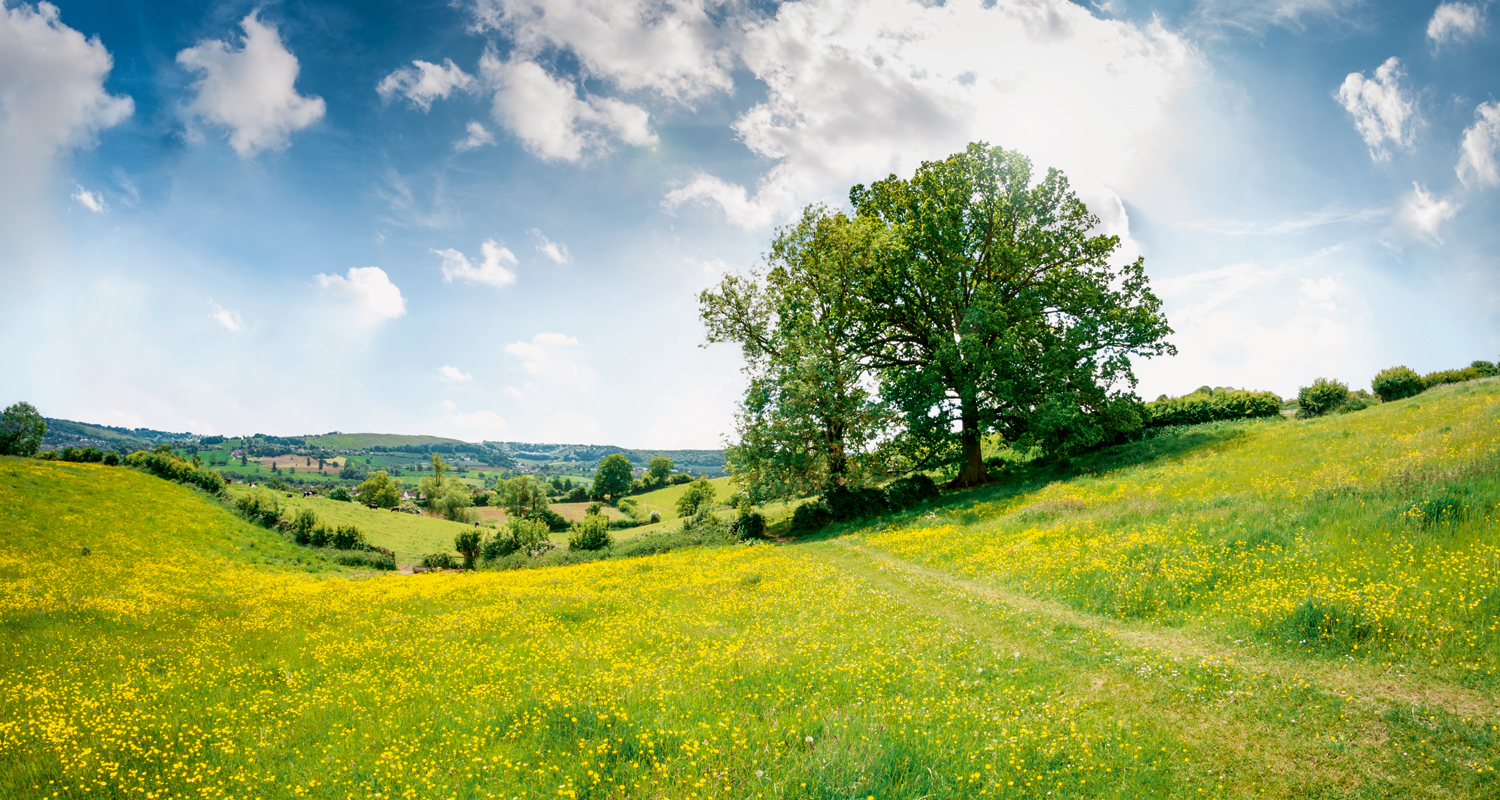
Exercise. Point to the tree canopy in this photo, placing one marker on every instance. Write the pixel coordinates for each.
(971, 299)
(380, 489)
(21, 430)
(612, 478)
(521, 496)
(659, 469)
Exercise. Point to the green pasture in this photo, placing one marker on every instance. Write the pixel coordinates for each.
(410, 535)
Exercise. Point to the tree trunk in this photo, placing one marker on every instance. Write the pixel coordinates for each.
(838, 463)
(972, 473)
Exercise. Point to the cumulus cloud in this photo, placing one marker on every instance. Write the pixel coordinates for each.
(549, 117)
(676, 50)
(92, 201)
(422, 82)
(449, 374)
(937, 76)
(251, 90)
(1454, 21)
(1477, 165)
(474, 425)
(367, 292)
(556, 251)
(478, 136)
(229, 319)
(52, 97)
(493, 269)
(1423, 214)
(551, 355)
(1381, 112)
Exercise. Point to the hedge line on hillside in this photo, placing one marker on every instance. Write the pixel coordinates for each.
(1205, 407)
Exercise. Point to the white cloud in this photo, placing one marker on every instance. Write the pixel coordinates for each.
(548, 116)
(52, 97)
(551, 355)
(478, 136)
(1423, 214)
(1454, 21)
(1381, 113)
(367, 292)
(1257, 15)
(491, 271)
(229, 319)
(449, 374)
(936, 77)
(421, 83)
(556, 251)
(92, 201)
(1481, 148)
(674, 49)
(251, 91)
(475, 425)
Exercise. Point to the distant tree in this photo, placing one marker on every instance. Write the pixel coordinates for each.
(1322, 397)
(341, 494)
(244, 461)
(454, 502)
(431, 486)
(590, 533)
(612, 477)
(659, 469)
(698, 496)
(521, 496)
(1397, 383)
(379, 489)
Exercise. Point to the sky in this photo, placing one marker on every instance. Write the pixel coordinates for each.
(491, 219)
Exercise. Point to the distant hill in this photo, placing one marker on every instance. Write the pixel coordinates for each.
(68, 433)
(695, 461)
(374, 441)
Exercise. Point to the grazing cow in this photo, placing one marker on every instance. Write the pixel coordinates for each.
(374, 506)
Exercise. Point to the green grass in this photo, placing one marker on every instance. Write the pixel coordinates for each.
(1118, 630)
(365, 441)
(410, 535)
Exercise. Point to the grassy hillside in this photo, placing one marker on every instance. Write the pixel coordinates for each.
(365, 441)
(410, 535)
(1122, 633)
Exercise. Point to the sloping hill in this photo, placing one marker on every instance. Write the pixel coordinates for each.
(372, 441)
(1122, 632)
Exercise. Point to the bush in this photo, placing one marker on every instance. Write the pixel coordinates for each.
(385, 560)
(1358, 401)
(302, 526)
(591, 533)
(260, 508)
(408, 507)
(844, 503)
(341, 494)
(810, 518)
(655, 517)
(699, 495)
(750, 525)
(467, 545)
(163, 463)
(111, 459)
(1211, 405)
(1487, 369)
(903, 493)
(1322, 397)
(439, 561)
(1451, 376)
(83, 455)
(594, 508)
(526, 536)
(553, 520)
(1397, 383)
(348, 537)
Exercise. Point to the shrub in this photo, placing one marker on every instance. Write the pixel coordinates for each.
(749, 525)
(384, 560)
(1322, 397)
(318, 537)
(1396, 383)
(302, 526)
(1210, 405)
(594, 508)
(439, 561)
(655, 517)
(553, 520)
(1451, 376)
(467, 545)
(526, 536)
(1487, 369)
(163, 463)
(341, 494)
(810, 518)
(903, 493)
(408, 507)
(111, 458)
(591, 533)
(844, 503)
(697, 496)
(454, 503)
(260, 508)
(347, 537)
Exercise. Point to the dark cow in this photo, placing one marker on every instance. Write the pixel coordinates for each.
(374, 506)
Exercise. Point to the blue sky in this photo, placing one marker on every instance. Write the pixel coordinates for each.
(490, 219)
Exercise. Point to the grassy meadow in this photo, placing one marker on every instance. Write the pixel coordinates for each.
(1266, 609)
(411, 536)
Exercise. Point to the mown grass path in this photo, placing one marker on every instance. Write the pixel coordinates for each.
(1376, 687)
(1252, 723)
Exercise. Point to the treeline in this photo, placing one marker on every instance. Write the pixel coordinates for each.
(305, 529)
(1207, 404)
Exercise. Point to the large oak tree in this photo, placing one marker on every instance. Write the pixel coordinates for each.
(1000, 311)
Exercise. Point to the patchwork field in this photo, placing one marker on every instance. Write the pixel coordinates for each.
(1282, 609)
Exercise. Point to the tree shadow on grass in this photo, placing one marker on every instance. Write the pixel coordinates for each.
(1162, 445)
